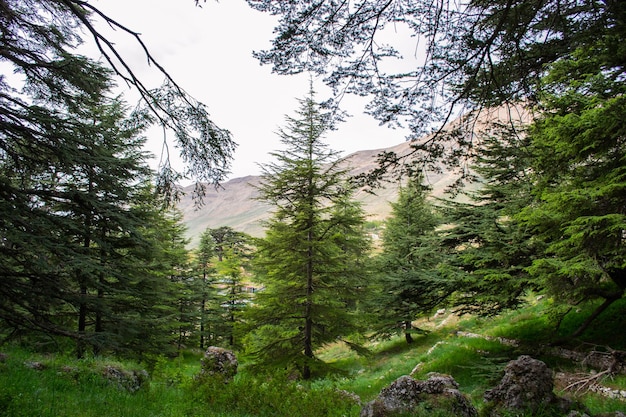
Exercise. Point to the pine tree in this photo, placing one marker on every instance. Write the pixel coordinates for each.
(231, 277)
(207, 291)
(309, 260)
(40, 40)
(579, 210)
(488, 251)
(223, 258)
(142, 316)
(78, 258)
(410, 283)
(461, 56)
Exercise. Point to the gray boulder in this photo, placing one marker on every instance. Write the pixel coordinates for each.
(407, 395)
(130, 381)
(527, 386)
(527, 383)
(218, 362)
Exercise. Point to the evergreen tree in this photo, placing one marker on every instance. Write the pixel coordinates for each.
(62, 211)
(207, 291)
(232, 276)
(308, 261)
(226, 237)
(410, 282)
(488, 251)
(580, 188)
(470, 56)
(565, 59)
(223, 257)
(72, 175)
(142, 316)
(76, 252)
(40, 38)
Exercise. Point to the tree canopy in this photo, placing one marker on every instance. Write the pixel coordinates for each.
(551, 213)
(465, 56)
(39, 45)
(579, 210)
(81, 256)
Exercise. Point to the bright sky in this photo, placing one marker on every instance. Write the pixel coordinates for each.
(208, 51)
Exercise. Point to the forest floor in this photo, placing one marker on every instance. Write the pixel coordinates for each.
(473, 350)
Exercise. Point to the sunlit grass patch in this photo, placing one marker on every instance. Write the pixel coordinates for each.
(65, 386)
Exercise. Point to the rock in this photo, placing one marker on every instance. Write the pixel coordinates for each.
(218, 362)
(527, 385)
(38, 366)
(349, 396)
(407, 395)
(130, 381)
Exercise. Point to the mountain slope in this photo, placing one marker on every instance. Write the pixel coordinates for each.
(235, 204)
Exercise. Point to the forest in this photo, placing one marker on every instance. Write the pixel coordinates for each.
(529, 244)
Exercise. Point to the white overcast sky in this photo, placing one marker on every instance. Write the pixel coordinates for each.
(208, 51)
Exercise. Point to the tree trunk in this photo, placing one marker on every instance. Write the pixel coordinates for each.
(181, 330)
(99, 325)
(82, 303)
(607, 302)
(618, 276)
(82, 321)
(407, 331)
(308, 323)
(203, 310)
(82, 281)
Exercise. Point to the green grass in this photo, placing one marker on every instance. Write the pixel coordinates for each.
(67, 387)
(77, 388)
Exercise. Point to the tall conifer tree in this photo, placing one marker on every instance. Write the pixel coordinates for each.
(78, 256)
(488, 250)
(308, 262)
(579, 161)
(410, 282)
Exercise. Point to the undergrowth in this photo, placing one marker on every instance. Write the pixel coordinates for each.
(62, 386)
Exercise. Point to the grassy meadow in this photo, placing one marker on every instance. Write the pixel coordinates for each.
(37, 384)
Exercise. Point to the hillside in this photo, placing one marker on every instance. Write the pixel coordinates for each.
(235, 204)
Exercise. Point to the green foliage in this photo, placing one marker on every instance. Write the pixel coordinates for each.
(580, 178)
(409, 283)
(53, 80)
(72, 388)
(221, 268)
(204, 300)
(611, 318)
(274, 395)
(87, 251)
(488, 251)
(311, 262)
(79, 258)
(477, 56)
(551, 213)
(76, 388)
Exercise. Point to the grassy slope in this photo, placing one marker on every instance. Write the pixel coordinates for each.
(70, 388)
